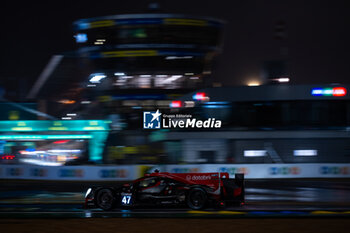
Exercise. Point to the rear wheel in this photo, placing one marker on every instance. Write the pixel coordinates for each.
(105, 199)
(197, 199)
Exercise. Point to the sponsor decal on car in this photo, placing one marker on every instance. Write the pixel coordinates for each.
(198, 177)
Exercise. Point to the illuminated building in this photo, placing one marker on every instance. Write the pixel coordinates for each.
(52, 143)
(150, 50)
(130, 62)
(265, 124)
(125, 64)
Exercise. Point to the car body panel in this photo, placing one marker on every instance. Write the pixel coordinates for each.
(162, 188)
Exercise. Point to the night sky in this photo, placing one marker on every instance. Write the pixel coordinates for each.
(316, 46)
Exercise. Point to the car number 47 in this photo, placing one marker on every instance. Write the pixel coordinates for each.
(126, 200)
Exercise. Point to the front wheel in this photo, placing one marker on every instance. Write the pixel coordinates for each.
(197, 199)
(105, 199)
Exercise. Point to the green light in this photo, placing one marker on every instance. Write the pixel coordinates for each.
(328, 91)
(95, 129)
(96, 146)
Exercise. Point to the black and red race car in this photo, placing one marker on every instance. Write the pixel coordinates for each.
(196, 190)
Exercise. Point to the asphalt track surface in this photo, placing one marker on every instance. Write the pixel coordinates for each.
(264, 199)
(271, 206)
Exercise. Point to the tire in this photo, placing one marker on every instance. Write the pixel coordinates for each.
(105, 199)
(196, 199)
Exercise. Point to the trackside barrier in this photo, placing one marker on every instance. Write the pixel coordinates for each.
(69, 172)
(267, 171)
(131, 172)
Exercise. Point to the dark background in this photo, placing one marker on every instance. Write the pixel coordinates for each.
(314, 42)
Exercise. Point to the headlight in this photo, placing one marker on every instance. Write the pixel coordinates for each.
(88, 192)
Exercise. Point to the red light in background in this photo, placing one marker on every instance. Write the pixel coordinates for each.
(65, 101)
(339, 91)
(199, 96)
(8, 157)
(176, 104)
(60, 141)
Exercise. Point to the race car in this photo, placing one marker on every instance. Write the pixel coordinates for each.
(196, 190)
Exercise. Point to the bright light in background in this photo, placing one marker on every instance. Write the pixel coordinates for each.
(40, 162)
(145, 75)
(52, 157)
(283, 80)
(66, 101)
(172, 78)
(31, 152)
(254, 84)
(8, 157)
(64, 151)
(336, 91)
(175, 104)
(83, 26)
(254, 153)
(61, 141)
(119, 74)
(85, 102)
(189, 104)
(200, 96)
(81, 38)
(96, 78)
(305, 152)
(99, 41)
(177, 57)
(218, 104)
(339, 91)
